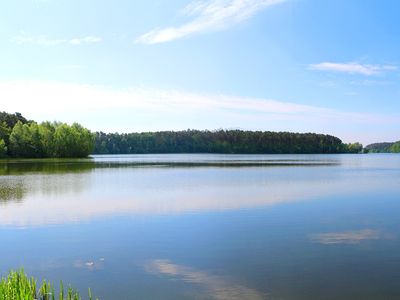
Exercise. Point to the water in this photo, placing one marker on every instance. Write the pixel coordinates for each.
(207, 226)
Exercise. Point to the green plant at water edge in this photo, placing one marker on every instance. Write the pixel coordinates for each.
(18, 286)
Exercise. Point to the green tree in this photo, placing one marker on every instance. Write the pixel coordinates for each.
(50, 140)
(395, 148)
(7, 123)
(46, 132)
(3, 149)
(25, 141)
(12, 119)
(354, 148)
(20, 141)
(5, 132)
(84, 139)
(219, 141)
(72, 141)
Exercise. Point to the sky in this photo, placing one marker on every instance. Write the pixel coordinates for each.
(330, 66)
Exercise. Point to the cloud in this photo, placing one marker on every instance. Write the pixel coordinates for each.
(212, 15)
(347, 237)
(85, 40)
(143, 109)
(30, 96)
(219, 287)
(352, 68)
(42, 40)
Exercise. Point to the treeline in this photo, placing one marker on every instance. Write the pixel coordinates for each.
(20, 137)
(221, 141)
(384, 147)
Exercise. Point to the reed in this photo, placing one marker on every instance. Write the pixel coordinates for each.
(18, 286)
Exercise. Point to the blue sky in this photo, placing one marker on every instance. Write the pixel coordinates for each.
(328, 66)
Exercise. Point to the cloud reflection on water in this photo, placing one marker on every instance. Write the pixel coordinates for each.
(348, 237)
(58, 198)
(64, 202)
(218, 287)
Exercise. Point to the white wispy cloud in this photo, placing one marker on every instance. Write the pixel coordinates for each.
(38, 40)
(87, 97)
(211, 15)
(352, 68)
(43, 40)
(85, 40)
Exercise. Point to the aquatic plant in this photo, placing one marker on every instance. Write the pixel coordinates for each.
(18, 286)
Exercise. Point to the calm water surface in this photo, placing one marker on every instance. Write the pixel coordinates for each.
(207, 226)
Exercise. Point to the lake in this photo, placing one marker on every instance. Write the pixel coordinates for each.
(206, 226)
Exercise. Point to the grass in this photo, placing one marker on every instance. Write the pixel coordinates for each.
(18, 286)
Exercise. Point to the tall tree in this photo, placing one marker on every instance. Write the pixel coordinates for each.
(3, 149)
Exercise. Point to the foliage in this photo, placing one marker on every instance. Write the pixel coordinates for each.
(220, 141)
(18, 286)
(25, 138)
(5, 132)
(25, 141)
(354, 148)
(72, 141)
(378, 147)
(22, 138)
(9, 120)
(395, 148)
(384, 147)
(50, 140)
(3, 148)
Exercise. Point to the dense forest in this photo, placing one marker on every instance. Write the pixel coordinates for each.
(20, 137)
(384, 147)
(221, 141)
